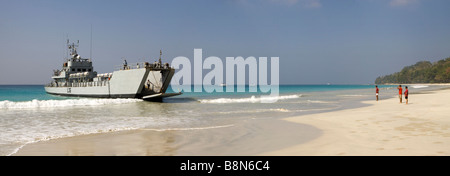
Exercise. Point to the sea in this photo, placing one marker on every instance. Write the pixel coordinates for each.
(29, 115)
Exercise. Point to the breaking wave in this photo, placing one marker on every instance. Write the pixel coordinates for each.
(252, 99)
(418, 86)
(320, 102)
(62, 103)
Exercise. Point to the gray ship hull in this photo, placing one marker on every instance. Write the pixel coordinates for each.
(129, 83)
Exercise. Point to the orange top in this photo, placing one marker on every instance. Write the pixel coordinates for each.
(400, 90)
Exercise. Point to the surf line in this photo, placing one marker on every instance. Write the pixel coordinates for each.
(258, 71)
(186, 129)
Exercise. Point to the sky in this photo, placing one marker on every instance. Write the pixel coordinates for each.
(317, 41)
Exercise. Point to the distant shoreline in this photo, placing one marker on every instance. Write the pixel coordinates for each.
(426, 84)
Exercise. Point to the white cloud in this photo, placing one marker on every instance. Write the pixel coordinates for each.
(395, 3)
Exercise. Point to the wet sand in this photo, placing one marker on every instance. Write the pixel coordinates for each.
(252, 137)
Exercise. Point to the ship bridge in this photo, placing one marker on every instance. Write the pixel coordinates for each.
(74, 65)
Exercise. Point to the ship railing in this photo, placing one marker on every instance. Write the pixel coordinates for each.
(129, 66)
(89, 84)
(80, 84)
(155, 65)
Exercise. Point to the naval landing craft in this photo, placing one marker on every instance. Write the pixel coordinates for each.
(148, 81)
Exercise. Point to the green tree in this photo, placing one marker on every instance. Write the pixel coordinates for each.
(421, 72)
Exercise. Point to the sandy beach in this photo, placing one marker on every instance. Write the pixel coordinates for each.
(385, 127)
(251, 137)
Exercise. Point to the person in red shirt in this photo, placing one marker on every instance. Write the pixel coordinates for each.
(406, 94)
(400, 92)
(376, 91)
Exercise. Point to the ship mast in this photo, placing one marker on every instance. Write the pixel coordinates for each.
(160, 53)
(73, 49)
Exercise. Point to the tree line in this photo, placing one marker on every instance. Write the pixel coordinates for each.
(421, 72)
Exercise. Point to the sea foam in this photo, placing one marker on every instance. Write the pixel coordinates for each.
(418, 86)
(251, 99)
(62, 103)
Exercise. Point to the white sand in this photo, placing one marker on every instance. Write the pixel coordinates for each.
(385, 127)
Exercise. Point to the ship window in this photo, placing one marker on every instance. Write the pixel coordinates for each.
(79, 70)
(73, 69)
(89, 70)
(84, 69)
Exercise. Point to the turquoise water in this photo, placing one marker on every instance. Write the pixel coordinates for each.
(28, 114)
(283, 90)
(23, 93)
(18, 93)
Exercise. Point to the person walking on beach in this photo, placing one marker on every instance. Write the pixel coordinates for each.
(376, 92)
(400, 92)
(406, 94)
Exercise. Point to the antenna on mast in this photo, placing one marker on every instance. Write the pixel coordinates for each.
(64, 49)
(67, 51)
(160, 53)
(90, 54)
